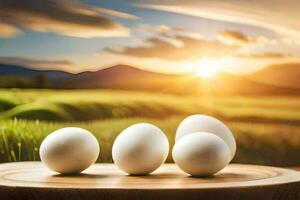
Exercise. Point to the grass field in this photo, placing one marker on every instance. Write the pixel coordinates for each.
(267, 129)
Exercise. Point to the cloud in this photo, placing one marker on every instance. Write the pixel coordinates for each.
(8, 31)
(278, 15)
(64, 17)
(178, 44)
(249, 62)
(290, 40)
(168, 31)
(159, 29)
(37, 63)
(191, 49)
(115, 13)
(239, 38)
(264, 55)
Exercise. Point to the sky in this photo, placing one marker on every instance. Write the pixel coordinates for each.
(170, 36)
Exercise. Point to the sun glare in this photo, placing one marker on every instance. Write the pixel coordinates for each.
(207, 68)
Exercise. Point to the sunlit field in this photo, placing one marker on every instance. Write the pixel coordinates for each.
(267, 129)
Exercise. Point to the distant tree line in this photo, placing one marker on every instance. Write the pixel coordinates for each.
(38, 81)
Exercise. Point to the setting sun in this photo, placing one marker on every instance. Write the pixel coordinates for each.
(207, 68)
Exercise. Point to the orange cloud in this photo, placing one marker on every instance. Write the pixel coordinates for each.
(64, 17)
(239, 38)
(115, 13)
(191, 49)
(280, 16)
(263, 55)
(167, 30)
(8, 31)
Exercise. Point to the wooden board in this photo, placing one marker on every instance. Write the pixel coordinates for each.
(295, 168)
(33, 181)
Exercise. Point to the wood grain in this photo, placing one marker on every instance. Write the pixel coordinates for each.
(294, 168)
(33, 181)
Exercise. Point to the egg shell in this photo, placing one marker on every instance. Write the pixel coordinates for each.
(201, 154)
(140, 149)
(69, 150)
(205, 123)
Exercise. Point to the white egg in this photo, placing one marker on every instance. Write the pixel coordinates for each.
(204, 123)
(69, 150)
(140, 149)
(201, 154)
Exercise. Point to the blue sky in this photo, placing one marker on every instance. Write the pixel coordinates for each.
(90, 39)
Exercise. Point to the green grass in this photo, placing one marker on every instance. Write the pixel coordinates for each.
(261, 144)
(86, 105)
(89, 105)
(267, 129)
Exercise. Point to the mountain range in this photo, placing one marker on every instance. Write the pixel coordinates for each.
(286, 75)
(275, 79)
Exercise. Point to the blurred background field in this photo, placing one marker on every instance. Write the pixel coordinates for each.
(266, 127)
